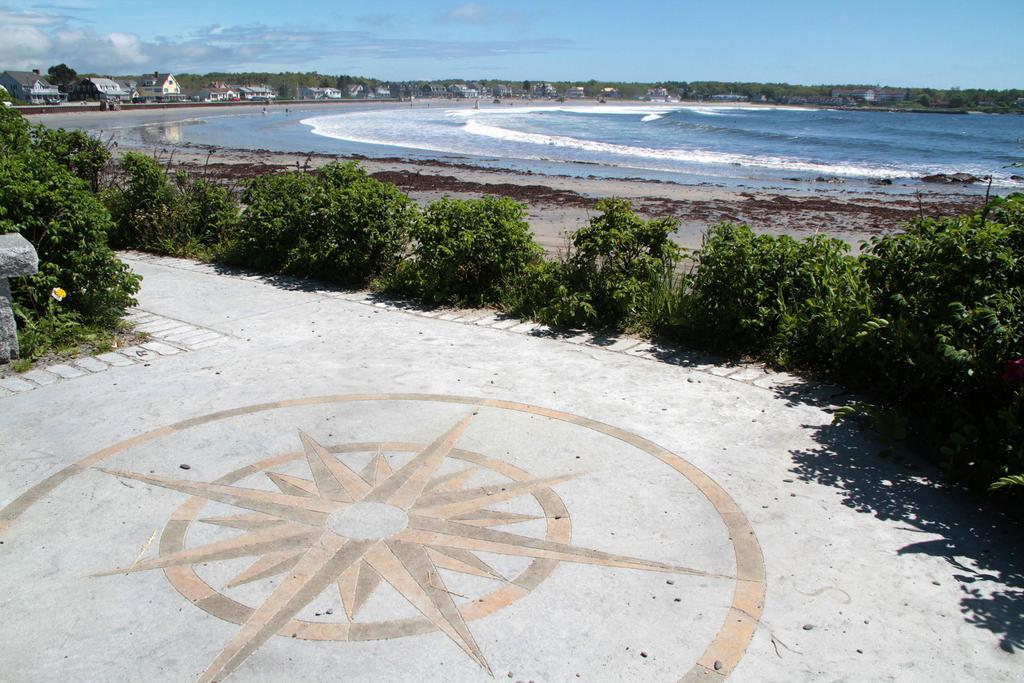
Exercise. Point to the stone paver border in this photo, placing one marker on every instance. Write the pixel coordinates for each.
(167, 337)
(736, 632)
(753, 374)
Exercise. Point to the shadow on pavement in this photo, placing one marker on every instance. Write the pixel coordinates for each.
(980, 544)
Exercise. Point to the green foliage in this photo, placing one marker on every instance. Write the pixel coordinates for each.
(61, 74)
(186, 217)
(1004, 482)
(42, 198)
(931, 320)
(80, 153)
(790, 302)
(951, 294)
(337, 224)
(613, 270)
(471, 252)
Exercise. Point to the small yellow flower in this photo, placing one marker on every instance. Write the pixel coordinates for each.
(58, 294)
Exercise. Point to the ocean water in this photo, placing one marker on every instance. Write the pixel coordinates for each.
(729, 145)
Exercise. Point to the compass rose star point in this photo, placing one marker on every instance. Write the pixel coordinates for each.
(357, 530)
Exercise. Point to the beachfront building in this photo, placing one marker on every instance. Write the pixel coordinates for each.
(432, 90)
(869, 94)
(610, 93)
(216, 93)
(463, 91)
(730, 97)
(31, 87)
(576, 92)
(131, 88)
(543, 90)
(355, 90)
(95, 88)
(501, 90)
(257, 93)
(321, 94)
(656, 94)
(159, 87)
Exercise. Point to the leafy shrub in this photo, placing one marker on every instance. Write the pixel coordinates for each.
(790, 302)
(336, 224)
(615, 267)
(931, 320)
(56, 211)
(79, 152)
(470, 252)
(949, 294)
(188, 216)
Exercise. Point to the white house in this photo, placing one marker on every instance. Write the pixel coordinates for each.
(159, 86)
(576, 92)
(321, 94)
(257, 92)
(29, 86)
(217, 94)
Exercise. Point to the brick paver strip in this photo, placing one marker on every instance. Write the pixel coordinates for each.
(40, 377)
(159, 325)
(16, 384)
(66, 371)
(162, 349)
(748, 374)
(505, 324)
(623, 344)
(137, 353)
(197, 336)
(90, 364)
(115, 359)
(486, 320)
(178, 335)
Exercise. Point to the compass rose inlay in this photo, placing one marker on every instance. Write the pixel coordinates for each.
(349, 531)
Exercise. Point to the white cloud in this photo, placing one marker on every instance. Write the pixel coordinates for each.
(470, 13)
(479, 14)
(35, 39)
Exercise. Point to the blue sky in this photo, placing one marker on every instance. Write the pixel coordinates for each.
(936, 43)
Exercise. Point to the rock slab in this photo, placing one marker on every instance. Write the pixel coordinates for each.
(17, 257)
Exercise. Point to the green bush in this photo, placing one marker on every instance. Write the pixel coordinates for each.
(793, 303)
(337, 224)
(468, 252)
(188, 216)
(56, 211)
(617, 265)
(949, 297)
(930, 321)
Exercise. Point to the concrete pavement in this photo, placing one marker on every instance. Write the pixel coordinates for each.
(314, 484)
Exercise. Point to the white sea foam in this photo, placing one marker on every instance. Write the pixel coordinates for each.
(491, 132)
(695, 156)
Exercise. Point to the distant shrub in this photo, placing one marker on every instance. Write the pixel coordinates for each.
(790, 302)
(337, 224)
(56, 211)
(615, 267)
(469, 252)
(186, 216)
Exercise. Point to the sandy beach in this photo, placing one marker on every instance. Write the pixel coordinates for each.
(559, 204)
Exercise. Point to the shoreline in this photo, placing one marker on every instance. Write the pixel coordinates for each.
(557, 205)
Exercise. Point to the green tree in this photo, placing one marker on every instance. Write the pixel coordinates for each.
(61, 75)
